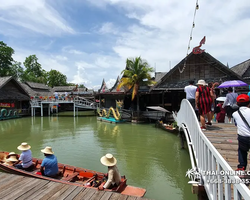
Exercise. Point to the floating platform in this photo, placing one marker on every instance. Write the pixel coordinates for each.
(110, 120)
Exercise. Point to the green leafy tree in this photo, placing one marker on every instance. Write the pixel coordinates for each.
(137, 73)
(81, 86)
(56, 78)
(16, 70)
(34, 71)
(6, 59)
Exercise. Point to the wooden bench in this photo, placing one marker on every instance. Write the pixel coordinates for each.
(71, 177)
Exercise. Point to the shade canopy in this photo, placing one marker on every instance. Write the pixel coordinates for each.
(232, 83)
(158, 108)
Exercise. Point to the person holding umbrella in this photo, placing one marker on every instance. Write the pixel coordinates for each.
(229, 102)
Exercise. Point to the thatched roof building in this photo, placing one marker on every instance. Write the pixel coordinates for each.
(198, 66)
(243, 70)
(37, 89)
(12, 94)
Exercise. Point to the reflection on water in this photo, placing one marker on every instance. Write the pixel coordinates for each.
(149, 157)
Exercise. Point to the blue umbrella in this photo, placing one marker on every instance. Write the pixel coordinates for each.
(233, 83)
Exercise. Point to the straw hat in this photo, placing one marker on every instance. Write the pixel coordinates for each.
(201, 82)
(47, 150)
(11, 154)
(12, 158)
(8, 162)
(24, 146)
(108, 160)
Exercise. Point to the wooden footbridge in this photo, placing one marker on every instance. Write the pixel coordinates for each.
(213, 155)
(52, 104)
(26, 188)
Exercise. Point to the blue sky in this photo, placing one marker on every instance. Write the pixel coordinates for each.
(88, 40)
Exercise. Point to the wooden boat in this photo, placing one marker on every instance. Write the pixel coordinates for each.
(166, 127)
(73, 176)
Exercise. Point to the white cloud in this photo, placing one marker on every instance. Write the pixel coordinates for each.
(108, 28)
(158, 31)
(37, 16)
(110, 83)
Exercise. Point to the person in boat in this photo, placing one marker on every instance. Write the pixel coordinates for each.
(114, 177)
(49, 166)
(25, 159)
(11, 159)
(12, 154)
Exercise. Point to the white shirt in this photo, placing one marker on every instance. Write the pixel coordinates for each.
(190, 91)
(242, 128)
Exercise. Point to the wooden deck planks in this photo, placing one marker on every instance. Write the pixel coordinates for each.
(28, 188)
(73, 194)
(224, 138)
(56, 192)
(33, 190)
(23, 188)
(97, 195)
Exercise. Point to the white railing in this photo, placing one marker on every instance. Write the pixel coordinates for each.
(217, 176)
(81, 101)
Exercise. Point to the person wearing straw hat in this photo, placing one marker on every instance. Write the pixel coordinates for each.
(49, 166)
(11, 159)
(114, 177)
(203, 101)
(12, 154)
(25, 158)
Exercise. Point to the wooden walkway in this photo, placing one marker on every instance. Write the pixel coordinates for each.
(25, 188)
(224, 138)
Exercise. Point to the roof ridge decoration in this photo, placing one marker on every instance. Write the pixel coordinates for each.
(104, 87)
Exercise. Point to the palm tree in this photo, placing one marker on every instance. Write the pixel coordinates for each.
(137, 73)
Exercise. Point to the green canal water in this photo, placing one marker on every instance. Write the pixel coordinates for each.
(149, 157)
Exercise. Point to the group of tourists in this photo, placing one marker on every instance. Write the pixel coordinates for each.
(203, 99)
(49, 166)
(234, 106)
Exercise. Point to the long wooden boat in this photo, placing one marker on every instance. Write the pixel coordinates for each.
(166, 127)
(73, 176)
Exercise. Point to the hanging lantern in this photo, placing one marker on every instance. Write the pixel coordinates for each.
(193, 24)
(197, 6)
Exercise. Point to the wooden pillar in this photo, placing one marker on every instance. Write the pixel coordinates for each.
(32, 111)
(49, 109)
(162, 99)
